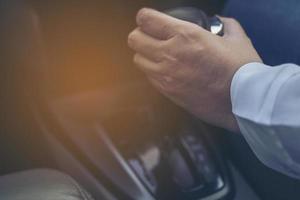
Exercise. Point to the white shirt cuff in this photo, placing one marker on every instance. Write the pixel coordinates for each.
(265, 102)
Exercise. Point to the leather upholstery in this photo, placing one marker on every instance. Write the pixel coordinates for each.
(41, 184)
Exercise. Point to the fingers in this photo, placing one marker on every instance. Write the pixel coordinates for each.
(157, 24)
(145, 44)
(232, 27)
(152, 71)
(146, 64)
(155, 43)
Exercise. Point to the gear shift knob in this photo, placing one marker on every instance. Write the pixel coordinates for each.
(197, 16)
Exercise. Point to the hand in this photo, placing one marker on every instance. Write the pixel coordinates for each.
(190, 65)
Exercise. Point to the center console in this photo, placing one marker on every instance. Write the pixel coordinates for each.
(181, 165)
(144, 148)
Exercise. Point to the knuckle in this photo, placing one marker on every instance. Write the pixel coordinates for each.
(164, 51)
(158, 54)
(172, 47)
(161, 46)
(143, 16)
(175, 55)
(173, 61)
(168, 61)
(182, 30)
(186, 28)
(167, 31)
(160, 59)
(131, 39)
(187, 34)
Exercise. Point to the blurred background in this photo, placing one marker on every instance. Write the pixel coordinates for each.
(56, 48)
(86, 41)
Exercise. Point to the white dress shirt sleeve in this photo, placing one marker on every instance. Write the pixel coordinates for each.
(266, 104)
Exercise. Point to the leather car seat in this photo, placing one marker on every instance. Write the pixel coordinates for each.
(19, 50)
(41, 184)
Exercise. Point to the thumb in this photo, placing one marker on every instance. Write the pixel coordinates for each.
(232, 28)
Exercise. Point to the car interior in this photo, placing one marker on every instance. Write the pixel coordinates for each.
(74, 105)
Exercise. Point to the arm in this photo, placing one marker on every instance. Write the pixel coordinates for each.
(266, 104)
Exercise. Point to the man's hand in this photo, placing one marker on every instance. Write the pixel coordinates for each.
(190, 65)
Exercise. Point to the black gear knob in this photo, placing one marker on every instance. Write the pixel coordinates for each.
(197, 16)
